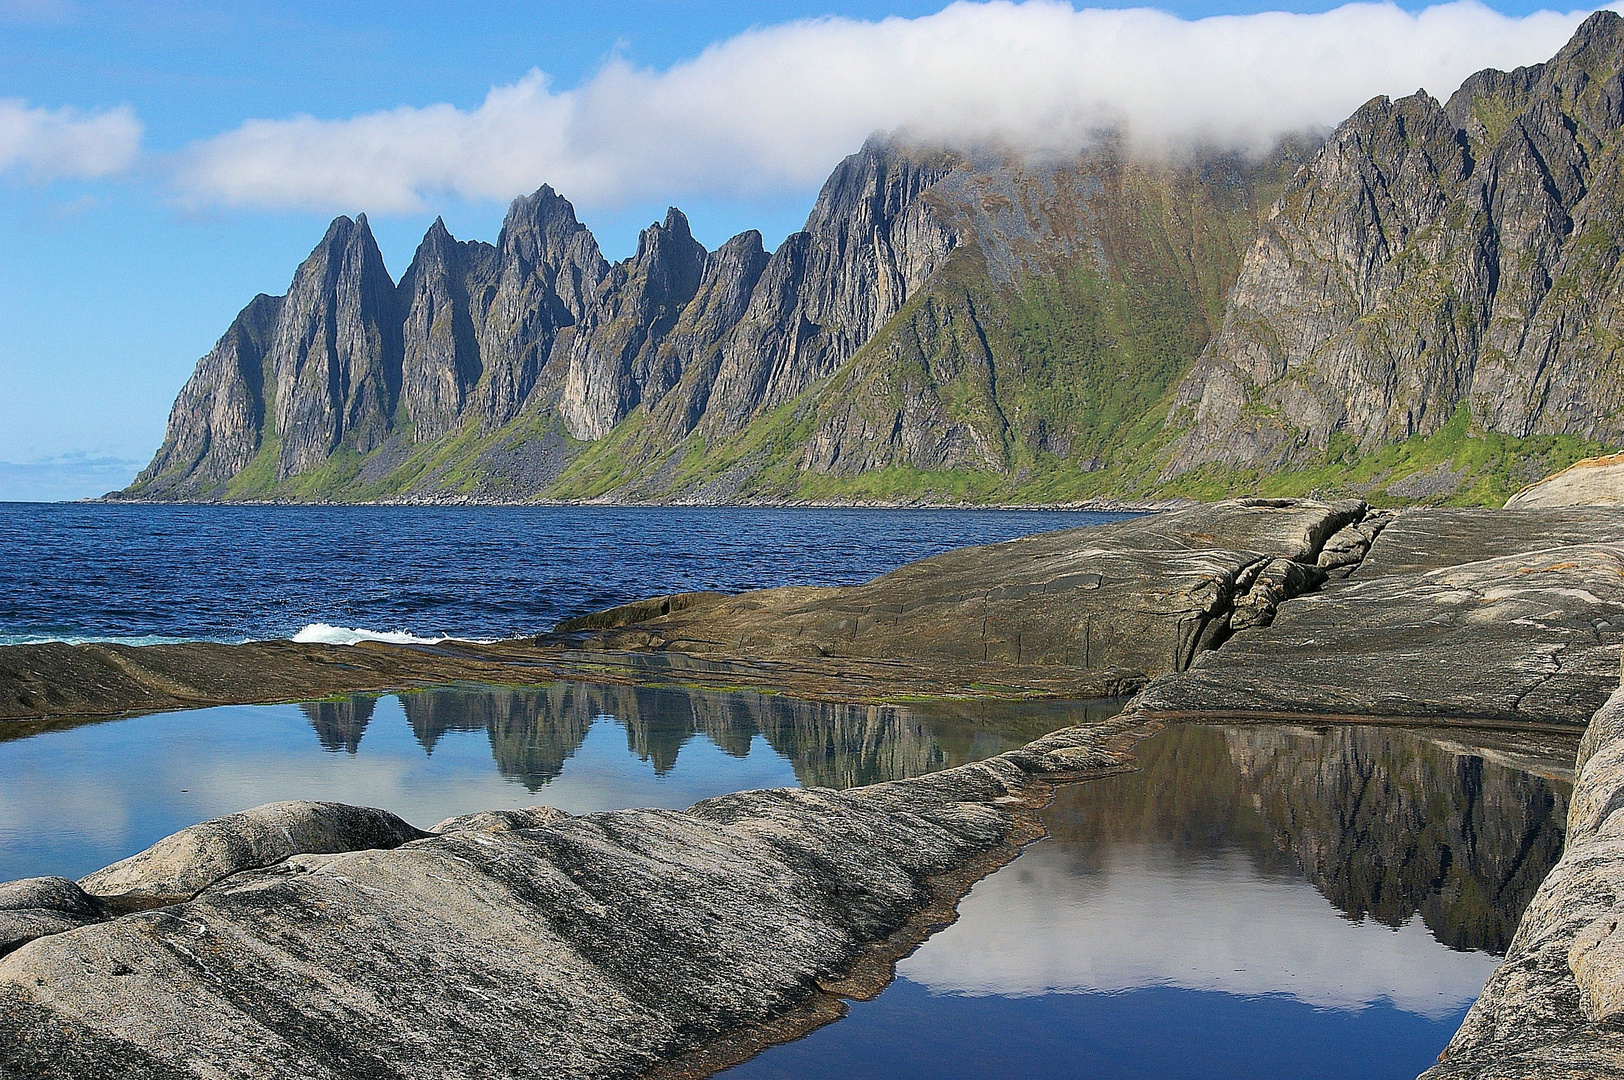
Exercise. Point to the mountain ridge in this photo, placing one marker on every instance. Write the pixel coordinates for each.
(1418, 308)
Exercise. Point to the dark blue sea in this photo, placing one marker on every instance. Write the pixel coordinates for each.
(82, 571)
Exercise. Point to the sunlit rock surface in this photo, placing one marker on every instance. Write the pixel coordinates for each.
(1591, 482)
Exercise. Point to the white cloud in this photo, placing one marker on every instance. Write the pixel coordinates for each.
(1152, 919)
(775, 108)
(50, 144)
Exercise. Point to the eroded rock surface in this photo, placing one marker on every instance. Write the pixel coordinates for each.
(533, 943)
(1552, 1010)
(182, 865)
(1471, 615)
(1128, 600)
(1082, 613)
(38, 907)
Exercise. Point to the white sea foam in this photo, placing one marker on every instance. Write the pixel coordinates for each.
(325, 634)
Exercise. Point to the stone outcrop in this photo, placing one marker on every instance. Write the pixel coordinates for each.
(440, 358)
(180, 866)
(1591, 482)
(541, 325)
(1432, 257)
(1082, 613)
(39, 907)
(938, 311)
(218, 421)
(604, 945)
(1136, 598)
(1550, 1010)
(1464, 614)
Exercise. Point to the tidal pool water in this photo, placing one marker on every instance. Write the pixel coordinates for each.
(75, 797)
(1257, 902)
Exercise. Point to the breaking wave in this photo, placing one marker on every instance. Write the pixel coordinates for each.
(325, 634)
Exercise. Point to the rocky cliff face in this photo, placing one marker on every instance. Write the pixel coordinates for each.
(982, 326)
(542, 327)
(1432, 257)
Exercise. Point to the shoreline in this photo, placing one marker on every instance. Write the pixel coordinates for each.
(1103, 504)
(1252, 611)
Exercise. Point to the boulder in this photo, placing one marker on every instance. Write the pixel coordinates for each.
(38, 907)
(180, 866)
(1597, 481)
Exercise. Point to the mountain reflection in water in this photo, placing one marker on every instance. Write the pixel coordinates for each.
(1269, 901)
(75, 797)
(534, 732)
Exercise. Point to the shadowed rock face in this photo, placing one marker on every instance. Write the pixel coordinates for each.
(596, 946)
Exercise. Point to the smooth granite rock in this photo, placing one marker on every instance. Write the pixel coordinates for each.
(1136, 598)
(1530, 636)
(1592, 482)
(537, 944)
(182, 865)
(38, 907)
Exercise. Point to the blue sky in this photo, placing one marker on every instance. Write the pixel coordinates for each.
(116, 283)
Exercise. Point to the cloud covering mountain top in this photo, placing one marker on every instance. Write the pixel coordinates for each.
(776, 107)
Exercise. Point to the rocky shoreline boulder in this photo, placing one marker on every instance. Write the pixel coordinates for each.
(1597, 481)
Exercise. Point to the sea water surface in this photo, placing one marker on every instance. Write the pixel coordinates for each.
(1257, 902)
(137, 573)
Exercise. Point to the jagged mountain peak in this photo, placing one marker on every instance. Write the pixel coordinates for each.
(1001, 326)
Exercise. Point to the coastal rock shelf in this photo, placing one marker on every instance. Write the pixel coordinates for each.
(1485, 615)
(1083, 613)
(524, 943)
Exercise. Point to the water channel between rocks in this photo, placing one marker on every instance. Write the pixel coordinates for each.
(1261, 901)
